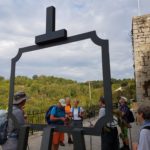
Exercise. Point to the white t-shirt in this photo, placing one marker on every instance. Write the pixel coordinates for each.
(76, 113)
(114, 123)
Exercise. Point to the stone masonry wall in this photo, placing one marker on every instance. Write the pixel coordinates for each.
(141, 49)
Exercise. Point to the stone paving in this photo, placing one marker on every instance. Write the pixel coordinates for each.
(92, 142)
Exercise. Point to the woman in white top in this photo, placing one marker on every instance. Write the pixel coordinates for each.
(77, 114)
(109, 135)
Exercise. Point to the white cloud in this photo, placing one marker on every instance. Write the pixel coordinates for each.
(21, 22)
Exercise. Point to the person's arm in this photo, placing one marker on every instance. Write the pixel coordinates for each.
(71, 112)
(134, 146)
(101, 112)
(53, 118)
(81, 114)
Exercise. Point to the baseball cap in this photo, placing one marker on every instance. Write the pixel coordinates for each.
(62, 102)
(124, 98)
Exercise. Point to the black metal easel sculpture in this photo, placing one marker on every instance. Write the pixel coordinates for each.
(50, 39)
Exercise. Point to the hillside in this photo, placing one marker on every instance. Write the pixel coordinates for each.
(47, 90)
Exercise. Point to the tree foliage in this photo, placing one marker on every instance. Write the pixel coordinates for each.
(44, 91)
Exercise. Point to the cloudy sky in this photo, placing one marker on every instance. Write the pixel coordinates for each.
(21, 21)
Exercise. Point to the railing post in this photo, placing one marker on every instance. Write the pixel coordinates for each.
(78, 139)
(47, 138)
(23, 138)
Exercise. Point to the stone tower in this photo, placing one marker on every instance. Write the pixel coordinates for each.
(141, 50)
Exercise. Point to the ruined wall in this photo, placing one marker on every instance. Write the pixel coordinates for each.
(141, 49)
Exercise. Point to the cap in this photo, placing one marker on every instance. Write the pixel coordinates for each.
(124, 98)
(19, 97)
(62, 102)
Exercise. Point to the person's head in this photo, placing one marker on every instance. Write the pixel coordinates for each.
(67, 99)
(61, 103)
(19, 99)
(76, 102)
(102, 101)
(143, 113)
(123, 100)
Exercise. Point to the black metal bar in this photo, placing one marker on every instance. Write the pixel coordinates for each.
(107, 81)
(47, 138)
(105, 63)
(23, 138)
(50, 19)
(70, 39)
(51, 35)
(55, 36)
(78, 139)
(11, 87)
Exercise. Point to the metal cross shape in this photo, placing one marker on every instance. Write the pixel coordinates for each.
(51, 35)
(56, 38)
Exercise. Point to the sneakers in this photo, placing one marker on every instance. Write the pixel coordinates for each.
(61, 143)
(69, 142)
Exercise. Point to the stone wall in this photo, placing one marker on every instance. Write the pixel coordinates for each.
(141, 49)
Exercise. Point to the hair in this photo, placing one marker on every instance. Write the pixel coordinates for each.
(145, 111)
(67, 98)
(102, 99)
(76, 100)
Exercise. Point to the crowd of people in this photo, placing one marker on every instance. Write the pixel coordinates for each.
(122, 117)
(63, 113)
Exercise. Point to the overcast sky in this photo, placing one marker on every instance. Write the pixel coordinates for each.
(21, 21)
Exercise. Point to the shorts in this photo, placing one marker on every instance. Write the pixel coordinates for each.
(57, 137)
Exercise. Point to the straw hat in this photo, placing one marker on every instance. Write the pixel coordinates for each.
(19, 97)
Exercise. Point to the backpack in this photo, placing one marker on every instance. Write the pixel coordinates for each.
(130, 116)
(78, 111)
(146, 127)
(48, 113)
(3, 126)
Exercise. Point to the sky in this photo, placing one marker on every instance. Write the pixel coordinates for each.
(21, 21)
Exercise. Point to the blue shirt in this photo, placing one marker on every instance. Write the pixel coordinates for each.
(144, 140)
(58, 113)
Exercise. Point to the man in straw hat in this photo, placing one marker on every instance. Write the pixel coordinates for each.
(13, 131)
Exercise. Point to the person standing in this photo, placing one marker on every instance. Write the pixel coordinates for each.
(68, 114)
(57, 117)
(13, 131)
(77, 113)
(109, 135)
(124, 129)
(143, 117)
